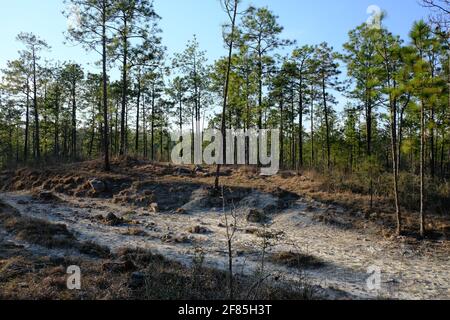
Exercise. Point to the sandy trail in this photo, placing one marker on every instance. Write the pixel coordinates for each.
(408, 272)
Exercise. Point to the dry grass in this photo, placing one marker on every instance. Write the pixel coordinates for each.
(45, 234)
(135, 232)
(34, 230)
(41, 278)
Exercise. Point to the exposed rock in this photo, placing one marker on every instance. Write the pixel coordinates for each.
(113, 220)
(46, 196)
(225, 173)
(200, 199)
(183, 172)
(137, 280)
(199, 230)
(333, 221)
(256, 216)
(135, 232)
(171, 238)
(265, 202)
(180, 211)
(296, 260)
(199, 169)
(154, 207)
(93, 249)
(286, 174)
(119, 267)
(97, 185)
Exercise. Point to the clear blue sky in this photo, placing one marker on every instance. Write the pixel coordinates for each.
(307, 21)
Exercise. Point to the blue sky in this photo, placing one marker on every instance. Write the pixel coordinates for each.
(304, 20)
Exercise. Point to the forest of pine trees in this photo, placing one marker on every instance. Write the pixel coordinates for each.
(395, 122)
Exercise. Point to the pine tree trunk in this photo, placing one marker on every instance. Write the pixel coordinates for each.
(74, 122)
(138, 102)
(124, 92)
(152, 146)
(36, 111)
(313, 156)
(327, 123)
(300, 128)
(27, 123)
(105, 90)
(393, 110)
(422, 169)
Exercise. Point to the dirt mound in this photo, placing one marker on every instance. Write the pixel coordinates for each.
(198, 230)
(257, 200)
(332, 220)
(157, 196)
(256, 216)
(46, 196)
(207, 197)
(202, 198)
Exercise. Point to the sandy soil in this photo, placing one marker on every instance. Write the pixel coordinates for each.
(409, 270)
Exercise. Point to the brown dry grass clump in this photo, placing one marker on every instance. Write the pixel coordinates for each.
(129, 274)
(45, 234)
(296, 260)
(34, 230)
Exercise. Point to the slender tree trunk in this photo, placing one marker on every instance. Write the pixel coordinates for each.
(292, 136)
(300, 127)
(105, 89)
(282, 131)
(56, 138)
(432, 144)
(91, 141)
(327, 122)
(442, 154)
(138, 102)
(226, 89)
(161, 146)
(36, 111)
(313, 155)
(248, 117)
(65, 140)
(124, 91)
(144, 127)
(400, 139)
(260, 97)
(369, 146)
(393, 110)
(27, 123)
(74, 122)
(116, 130)
(369, 127)
(152, 146)
(422, 169)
